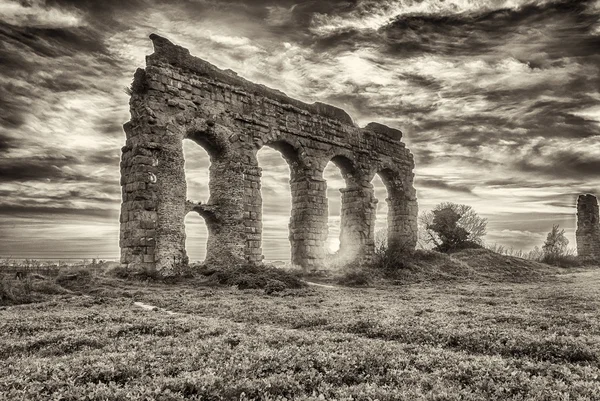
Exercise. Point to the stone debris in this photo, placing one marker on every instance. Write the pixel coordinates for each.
(178, 96)
(153, 308)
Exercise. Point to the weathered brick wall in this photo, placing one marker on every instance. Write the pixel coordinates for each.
(179, 97)
(588, 227)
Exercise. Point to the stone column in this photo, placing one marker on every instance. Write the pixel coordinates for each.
(138, 210)
(357, 221)
(226, 233)
(253, 214)
(402, 212)
(171, 193)
(225, 213)
(588, 227)
(153, 183)
(308, 223)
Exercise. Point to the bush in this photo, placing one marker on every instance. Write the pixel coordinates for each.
(274, 286)
(555, 251)
(119, 272)
(75, 279)
(249, 276)
(450, 226)
(564, 260)
(388, 259)
(14, 291)
(355, 278)
(27, 290)
(391, 258)
(464, 245)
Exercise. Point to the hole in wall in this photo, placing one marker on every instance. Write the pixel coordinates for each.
(196, 235)
(276, 204)
(196, 166)
(333, 175)
(381, 213)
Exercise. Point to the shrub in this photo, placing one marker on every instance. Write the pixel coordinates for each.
(555, 251)
(355, 278)
(567, 259)
(119, 272)
(450, 226)
(390, 258)
(274, 286)
(74, 279)
(556, 243)
(250, 276)
(30, 289)
(14, 291)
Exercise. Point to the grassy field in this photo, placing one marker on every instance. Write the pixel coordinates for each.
(456, 337)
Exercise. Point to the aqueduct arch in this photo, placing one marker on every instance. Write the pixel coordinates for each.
(178, 96)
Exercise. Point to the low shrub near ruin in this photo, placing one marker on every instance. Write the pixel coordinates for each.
(250, 276)
(355, 278)
(75, 279)
(28, 289)
(562, 260)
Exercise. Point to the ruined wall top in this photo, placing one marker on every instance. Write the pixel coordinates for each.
(587, 209)
(170, 53)
(588, 199)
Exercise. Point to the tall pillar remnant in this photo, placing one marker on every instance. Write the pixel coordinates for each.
(179, 97)
(588, 227)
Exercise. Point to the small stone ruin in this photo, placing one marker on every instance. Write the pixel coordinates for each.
(588, 227)
(179, 97)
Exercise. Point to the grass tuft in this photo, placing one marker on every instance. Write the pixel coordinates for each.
(29, 289)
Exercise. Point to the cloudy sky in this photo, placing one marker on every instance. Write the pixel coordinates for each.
(499, 100)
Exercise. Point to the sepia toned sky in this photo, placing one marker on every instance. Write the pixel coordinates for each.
(499, 100)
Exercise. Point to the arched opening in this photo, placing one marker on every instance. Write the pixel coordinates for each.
(275, 160)
(196, 167)
(335, 182)
(196, 237)
(381, 211)
(341, 184)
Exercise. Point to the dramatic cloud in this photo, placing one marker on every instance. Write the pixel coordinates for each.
(498, 100)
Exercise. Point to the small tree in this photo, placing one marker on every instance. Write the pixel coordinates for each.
(556, 243)
(452, 226)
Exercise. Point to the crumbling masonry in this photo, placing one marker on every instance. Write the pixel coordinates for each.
(179, 97)
(588, 227)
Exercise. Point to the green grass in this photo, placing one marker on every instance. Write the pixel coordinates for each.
(535, 338)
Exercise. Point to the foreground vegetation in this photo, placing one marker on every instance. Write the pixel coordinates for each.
(474, 330)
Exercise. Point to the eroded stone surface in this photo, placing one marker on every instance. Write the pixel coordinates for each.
(179, 97)
(588, 227)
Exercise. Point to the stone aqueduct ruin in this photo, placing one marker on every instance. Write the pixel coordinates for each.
(178, 97)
